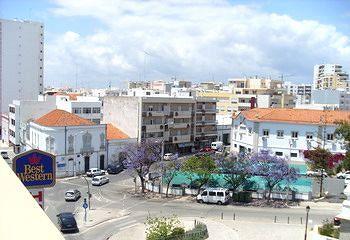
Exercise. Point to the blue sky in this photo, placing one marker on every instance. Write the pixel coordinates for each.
(105, 40)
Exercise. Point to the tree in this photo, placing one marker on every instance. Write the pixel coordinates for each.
(319, 159)
(272, 169)
(199, 169)
(159, 228)
(236, 169)
(139, 157)
(170, 170)
(343, 133)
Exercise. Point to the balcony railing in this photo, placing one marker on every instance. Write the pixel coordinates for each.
(181, 138)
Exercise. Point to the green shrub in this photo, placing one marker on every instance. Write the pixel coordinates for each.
(159, 228)
(328, 229)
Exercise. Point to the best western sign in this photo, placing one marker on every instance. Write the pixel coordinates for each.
(35, 168)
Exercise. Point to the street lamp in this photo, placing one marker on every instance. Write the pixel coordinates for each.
(89, 194)
(307, 220)
(76, 153)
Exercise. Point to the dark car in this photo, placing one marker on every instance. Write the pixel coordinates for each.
(336, 221)
(115, 169)
(4, 155)
(67, 222)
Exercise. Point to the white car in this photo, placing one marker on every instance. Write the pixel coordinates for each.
(347, 181)
(72, 195)
(92, 172)
(170, 156)
(316, 173)
(214, 195)
(99, 180)
(343, 175)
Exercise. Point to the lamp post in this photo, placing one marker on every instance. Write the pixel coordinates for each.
(307, 220)
(89, 194)
(76, 153)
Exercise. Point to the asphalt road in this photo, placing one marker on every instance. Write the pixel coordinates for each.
(116, 195)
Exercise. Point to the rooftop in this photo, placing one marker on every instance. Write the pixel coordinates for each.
(115, 133)
(307, 116)
(61, 118)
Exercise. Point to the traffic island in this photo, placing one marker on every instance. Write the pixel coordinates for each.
(98, 216)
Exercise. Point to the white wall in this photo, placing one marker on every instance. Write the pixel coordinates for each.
(116, 147)
(21, 44)
(38, 135)
(286, 145)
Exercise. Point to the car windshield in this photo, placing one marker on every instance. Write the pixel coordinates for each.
(95, 179)
(69, 193)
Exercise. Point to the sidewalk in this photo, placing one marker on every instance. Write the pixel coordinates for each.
(98, 216)
(320, 205)
(216, 230)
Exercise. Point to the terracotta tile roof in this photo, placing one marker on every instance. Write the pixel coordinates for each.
(61, 118)
(329, 117)
(115, 133)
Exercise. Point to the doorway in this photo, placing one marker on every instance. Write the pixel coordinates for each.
(102, 162)
(87, 163)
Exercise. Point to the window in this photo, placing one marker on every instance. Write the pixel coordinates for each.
(309, 135)
(13, 122)
(76, 110)
(293, 155)
(235, 145)
(96, 120)
(86, 110)
(294, 134)
(205, 193)
(279, 153)
(220, 194)
(212, 193)
(280, 133)
(330, 136)
(12, 110)
(96, 110)
(266, 132)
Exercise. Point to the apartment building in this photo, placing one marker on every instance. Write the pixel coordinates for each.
(172, 119)
(330, 76)
(286, 132)
(21, 61)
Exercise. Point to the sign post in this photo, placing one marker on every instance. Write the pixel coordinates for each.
(85, 206)
(37, 170)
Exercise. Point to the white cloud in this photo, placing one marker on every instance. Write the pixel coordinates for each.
(192, 40)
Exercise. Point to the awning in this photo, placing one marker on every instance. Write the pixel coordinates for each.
(189, 144)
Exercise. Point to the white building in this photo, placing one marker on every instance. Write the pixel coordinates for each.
(77, 143)
(21, 49)
(286, 132)
(330, 76)
(84, 106)
(224, 123)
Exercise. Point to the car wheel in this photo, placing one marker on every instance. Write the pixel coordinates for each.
(219, 203)
(200, 201)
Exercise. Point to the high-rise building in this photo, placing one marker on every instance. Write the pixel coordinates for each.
(21, 62)
(330, 76)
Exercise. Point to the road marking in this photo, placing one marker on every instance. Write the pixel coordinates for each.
(46, 208)
(129, 226)
(108, 221)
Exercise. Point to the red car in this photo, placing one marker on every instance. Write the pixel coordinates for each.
(206, 149)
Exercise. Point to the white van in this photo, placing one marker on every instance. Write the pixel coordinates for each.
(217, 146)
(214, 195)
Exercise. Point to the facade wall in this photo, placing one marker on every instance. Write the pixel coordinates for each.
(116, 149)
(249, 136)
(123, 112)
(21, 62)
(71, 145)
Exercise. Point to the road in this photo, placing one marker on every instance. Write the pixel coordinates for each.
(118, 195)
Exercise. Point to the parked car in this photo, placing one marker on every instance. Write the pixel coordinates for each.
(115, 168)
(170, 156)
(72, 195)
(316, 173)
(347, 181)
(99, 180)
(214, 195)
(92, 172)
(67, 222)
(4, 155)
(343, 175)
(217, 146)
(206, 149)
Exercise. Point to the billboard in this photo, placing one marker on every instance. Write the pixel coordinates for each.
(35, 168)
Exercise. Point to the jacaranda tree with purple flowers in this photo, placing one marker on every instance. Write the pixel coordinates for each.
(139, 157)
(272, 169)
(236, 169)
(170, 169)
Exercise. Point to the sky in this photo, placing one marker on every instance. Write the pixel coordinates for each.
(102, 42)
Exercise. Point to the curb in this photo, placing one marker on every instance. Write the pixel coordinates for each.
(126, 213)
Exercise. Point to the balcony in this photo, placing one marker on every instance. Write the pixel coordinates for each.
(181, 125)
(206, 133)
(181, 138)
(182, 114)
(206, 110)
(154, 127)
(206, 122)
(155, 113)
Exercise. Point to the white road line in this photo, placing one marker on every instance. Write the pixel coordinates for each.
(46, 208)
(130, 226)
(109, 221)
